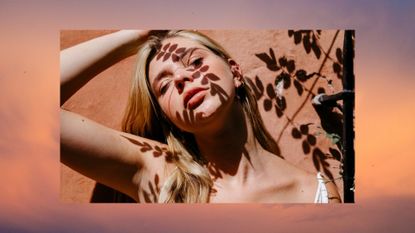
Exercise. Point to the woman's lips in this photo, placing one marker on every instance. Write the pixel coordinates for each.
(194, 97)
(196, 100)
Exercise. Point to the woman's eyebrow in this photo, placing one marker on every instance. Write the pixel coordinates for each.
(160, 75)
(181, 57)
(189, 52)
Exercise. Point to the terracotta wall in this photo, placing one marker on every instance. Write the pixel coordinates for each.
(300, 64)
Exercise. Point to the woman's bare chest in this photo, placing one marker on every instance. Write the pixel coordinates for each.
(264, 191)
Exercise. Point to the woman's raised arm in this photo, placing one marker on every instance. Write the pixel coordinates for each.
(80, 63)
(108, 156)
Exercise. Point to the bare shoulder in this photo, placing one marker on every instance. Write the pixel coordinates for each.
(303, 184)
(308, 183)
(117, 159)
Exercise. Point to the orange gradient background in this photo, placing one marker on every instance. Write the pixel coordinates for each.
(29, 119)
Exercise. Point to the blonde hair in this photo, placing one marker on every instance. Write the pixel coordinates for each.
(190, 182)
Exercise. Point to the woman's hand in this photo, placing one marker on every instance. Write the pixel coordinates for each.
(134, 38)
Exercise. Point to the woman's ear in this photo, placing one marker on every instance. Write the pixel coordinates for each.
(236, 71)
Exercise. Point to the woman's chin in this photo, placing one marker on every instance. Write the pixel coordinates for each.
(210, 112)
(206, 110)
(206, 116)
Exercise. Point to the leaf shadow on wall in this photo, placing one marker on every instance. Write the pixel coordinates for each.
(289, 75)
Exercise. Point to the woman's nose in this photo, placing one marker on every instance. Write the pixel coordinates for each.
(181, 77)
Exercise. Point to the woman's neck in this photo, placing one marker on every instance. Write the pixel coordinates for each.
(231, 151)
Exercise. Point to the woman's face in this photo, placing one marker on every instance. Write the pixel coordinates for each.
(192, 85)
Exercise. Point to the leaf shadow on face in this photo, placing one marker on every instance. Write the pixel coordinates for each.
(188, 117)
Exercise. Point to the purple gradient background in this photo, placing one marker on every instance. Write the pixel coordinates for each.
(29, 120)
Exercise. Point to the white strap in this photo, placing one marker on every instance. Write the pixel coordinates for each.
(321, 194)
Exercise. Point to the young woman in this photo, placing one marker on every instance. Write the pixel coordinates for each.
(192, 130)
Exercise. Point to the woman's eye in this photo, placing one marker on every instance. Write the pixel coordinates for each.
(163, 87)
(197, 62)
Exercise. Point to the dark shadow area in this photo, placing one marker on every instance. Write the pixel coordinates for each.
(338, 65)
(332, 123)
(105, 194)
(148, 194)
(320, 163)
